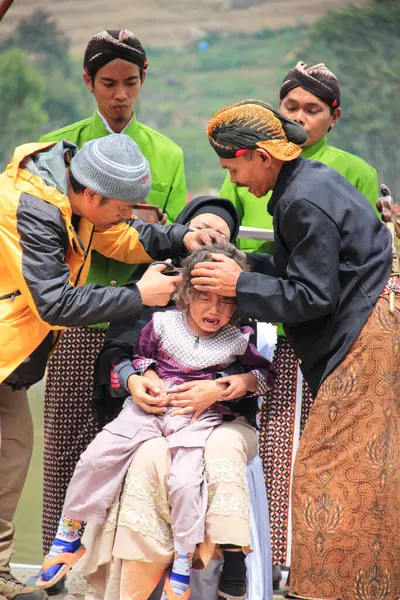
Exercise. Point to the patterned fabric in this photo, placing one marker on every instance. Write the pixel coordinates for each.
(262, 386)
(277, 438)
(346, 485)
(233, 500)
(108, 45)
(68, 529)
(253, 124)
(142, 508)
(138, 523)
(187, 350)
(393, 285)
(69, 425)
(307, 401)
(317, 79)
(179, 355)
(142, 365)
(230, 597)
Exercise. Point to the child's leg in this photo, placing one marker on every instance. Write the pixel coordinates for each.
(66, 542)
(187, 494)
(233, 577)
(179, 579)
(98, 476)
(102, 467)
(188, 507)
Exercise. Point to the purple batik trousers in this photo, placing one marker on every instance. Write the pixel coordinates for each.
(102, 467)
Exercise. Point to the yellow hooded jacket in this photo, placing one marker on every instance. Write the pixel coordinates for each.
(44, 260)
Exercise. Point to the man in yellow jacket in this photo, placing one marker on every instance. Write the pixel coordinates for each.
(56, 205)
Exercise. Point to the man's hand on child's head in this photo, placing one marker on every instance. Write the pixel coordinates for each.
(219, 276)
(198, 238)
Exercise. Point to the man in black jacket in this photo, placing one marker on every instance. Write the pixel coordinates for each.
(332, 255)
(329, 282)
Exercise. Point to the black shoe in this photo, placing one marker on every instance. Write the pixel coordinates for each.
(12, 589)
(55, 589)
(276, 577)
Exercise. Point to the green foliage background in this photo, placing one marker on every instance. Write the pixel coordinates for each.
(362, 46)
(40, 84)
(41, 87)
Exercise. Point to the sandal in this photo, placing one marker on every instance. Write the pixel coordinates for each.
(170, 594)
(67, 559)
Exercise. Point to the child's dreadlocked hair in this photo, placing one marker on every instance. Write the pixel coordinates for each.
(185, 289)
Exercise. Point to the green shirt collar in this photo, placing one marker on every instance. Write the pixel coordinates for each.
(98, 125)
(316, 150)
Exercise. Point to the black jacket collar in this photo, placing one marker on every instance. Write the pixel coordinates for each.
(288, 171)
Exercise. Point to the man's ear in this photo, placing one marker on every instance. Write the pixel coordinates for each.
(337, 113)
(264, 156)
(88, 81)
(143, 77)
(89, 195)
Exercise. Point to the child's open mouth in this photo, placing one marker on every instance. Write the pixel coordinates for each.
(210, 321)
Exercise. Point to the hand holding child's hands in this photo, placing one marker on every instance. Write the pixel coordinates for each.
(237, 386)
(147, 394)
(194, 397)
(152, 375)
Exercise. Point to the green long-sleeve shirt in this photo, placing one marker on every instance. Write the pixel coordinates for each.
(168, 189)
(253, 211)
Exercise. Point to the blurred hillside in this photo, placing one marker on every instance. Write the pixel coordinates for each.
(173, 23)
(204, 55)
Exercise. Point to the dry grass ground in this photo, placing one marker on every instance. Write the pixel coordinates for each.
(170, 22)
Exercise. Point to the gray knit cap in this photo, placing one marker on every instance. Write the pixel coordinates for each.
(114, 167)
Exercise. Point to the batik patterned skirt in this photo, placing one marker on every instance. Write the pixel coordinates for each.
(346, 484)
(283, 416)
(69, 424)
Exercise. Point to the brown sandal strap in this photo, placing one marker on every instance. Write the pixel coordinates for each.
(64, 558)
